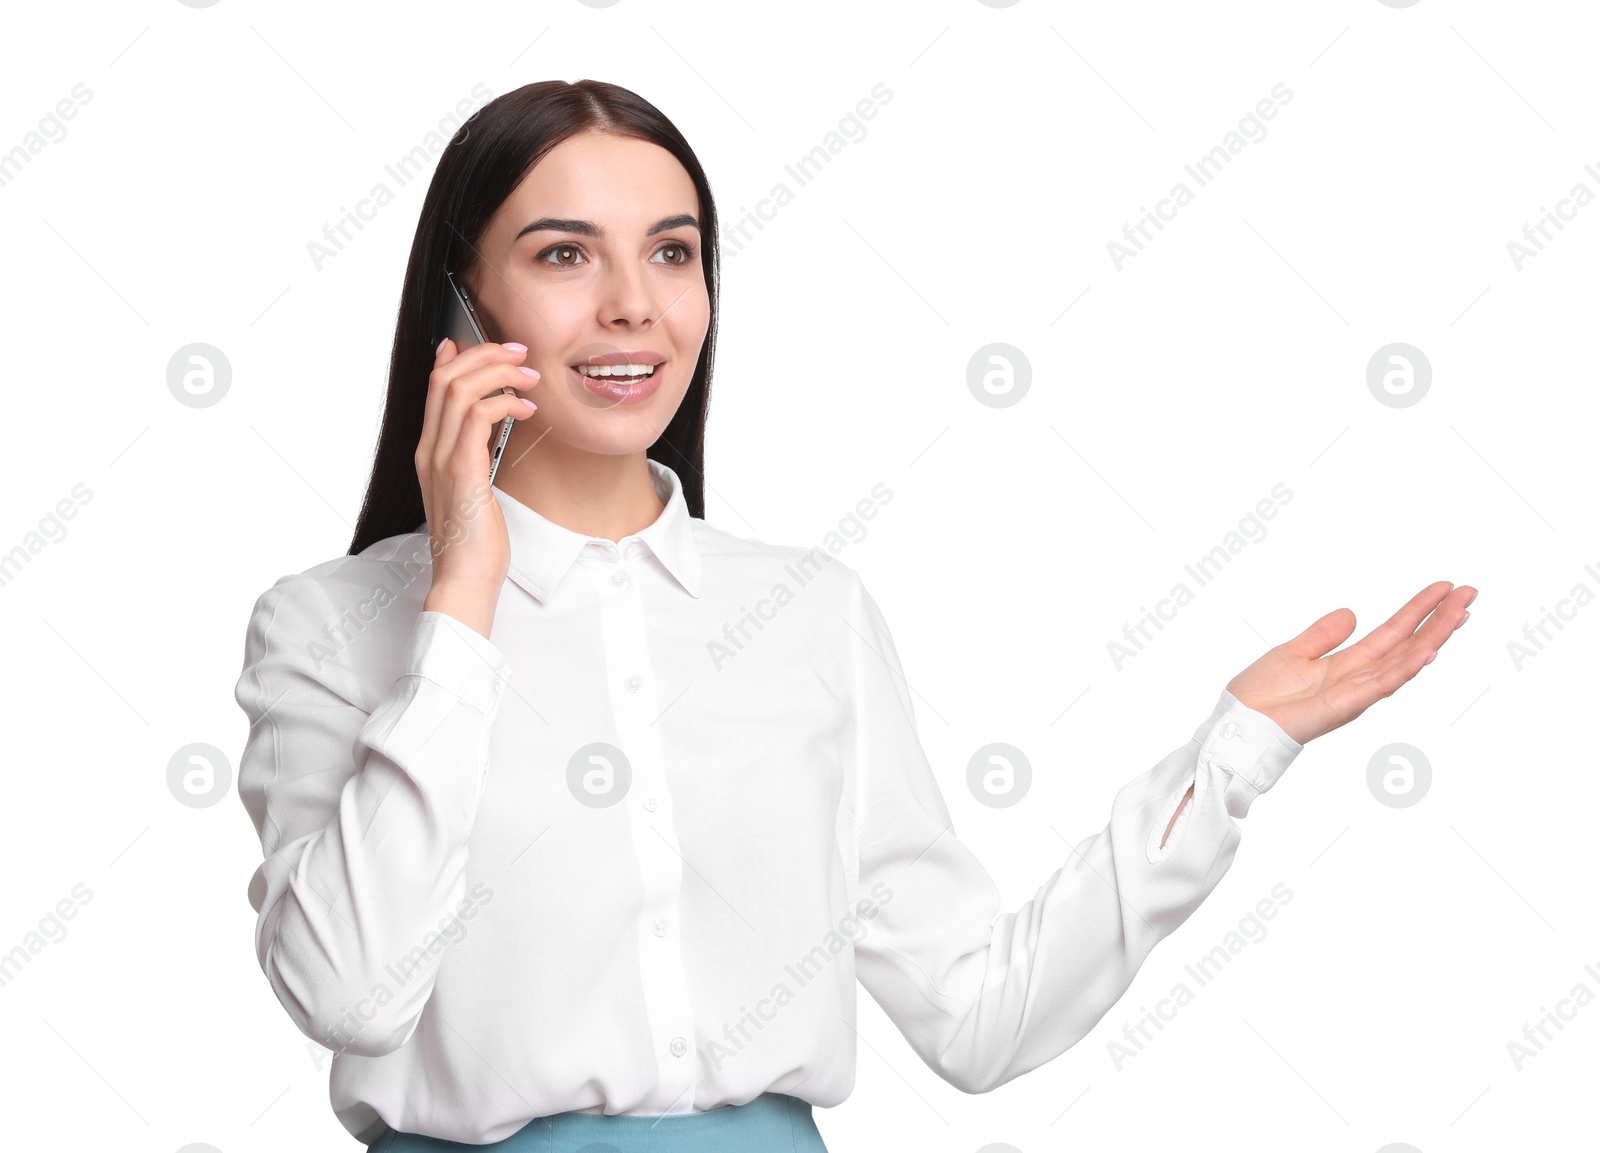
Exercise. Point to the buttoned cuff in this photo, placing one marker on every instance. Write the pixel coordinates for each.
(459, 659)
(1249, 745)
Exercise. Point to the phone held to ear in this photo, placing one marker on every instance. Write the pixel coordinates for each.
(461, 326)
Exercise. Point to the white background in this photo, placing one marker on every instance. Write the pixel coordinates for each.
(1167, 398)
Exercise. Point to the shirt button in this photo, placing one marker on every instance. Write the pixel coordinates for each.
(619, 577)
(659, 926)
(650, 804)
(1229, 729)
(679, 1046)
(633, 683)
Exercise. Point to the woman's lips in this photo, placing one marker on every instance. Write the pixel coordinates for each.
(622, 390)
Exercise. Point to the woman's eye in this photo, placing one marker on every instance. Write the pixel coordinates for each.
(560, 250)
(682, 253)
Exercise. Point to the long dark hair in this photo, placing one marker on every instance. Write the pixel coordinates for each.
(486, 160)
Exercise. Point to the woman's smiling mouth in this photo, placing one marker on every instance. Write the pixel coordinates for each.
(624, 383)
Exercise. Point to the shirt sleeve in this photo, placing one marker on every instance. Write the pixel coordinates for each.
(985, 994)
(363, 815)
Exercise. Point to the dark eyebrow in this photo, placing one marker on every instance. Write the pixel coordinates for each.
(585, 228)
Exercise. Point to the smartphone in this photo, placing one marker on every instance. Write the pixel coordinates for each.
(461, 326)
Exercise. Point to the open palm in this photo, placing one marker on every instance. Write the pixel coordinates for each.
(1308, 690)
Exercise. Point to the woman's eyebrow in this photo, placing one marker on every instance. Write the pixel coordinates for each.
(586, 228)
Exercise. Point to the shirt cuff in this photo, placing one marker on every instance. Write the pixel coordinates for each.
(1246, 743)
(459, 659)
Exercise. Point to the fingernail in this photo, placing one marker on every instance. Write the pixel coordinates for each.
(515, 347)
(440, 349)
(1429, 661)
(530, 371)
(530, 404)
(1473, 597)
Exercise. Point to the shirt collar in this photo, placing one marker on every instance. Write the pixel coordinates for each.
(542, 551)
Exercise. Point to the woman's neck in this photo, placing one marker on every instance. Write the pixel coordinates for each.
(595, 494)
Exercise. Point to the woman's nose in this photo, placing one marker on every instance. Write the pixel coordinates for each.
(626, 295)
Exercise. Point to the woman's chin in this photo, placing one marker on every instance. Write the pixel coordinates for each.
(609, 432)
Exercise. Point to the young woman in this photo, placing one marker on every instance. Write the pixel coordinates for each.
(582, 818)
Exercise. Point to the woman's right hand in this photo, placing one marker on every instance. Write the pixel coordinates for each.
(468, 538)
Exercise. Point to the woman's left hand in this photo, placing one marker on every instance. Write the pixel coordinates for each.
(1308, 691)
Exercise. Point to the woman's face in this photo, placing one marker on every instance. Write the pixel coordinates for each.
(595, 259)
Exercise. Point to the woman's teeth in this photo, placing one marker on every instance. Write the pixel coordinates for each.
(616, 371)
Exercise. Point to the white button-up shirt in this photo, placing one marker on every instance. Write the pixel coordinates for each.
(632, 853)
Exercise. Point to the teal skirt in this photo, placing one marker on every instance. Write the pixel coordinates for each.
(771, 1123)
